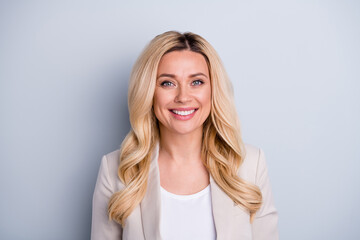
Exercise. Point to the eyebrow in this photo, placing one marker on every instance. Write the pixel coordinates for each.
(173, 76)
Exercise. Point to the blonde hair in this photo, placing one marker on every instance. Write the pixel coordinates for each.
(222, 148)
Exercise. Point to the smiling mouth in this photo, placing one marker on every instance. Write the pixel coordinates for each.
(183, 113)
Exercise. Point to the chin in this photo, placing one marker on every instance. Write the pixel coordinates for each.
(184, 131)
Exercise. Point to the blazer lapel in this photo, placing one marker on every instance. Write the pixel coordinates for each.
(223, 211)
(151, 204)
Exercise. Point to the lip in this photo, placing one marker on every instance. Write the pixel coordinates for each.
(183, 118)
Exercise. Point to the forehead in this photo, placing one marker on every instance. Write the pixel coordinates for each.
(183, 62)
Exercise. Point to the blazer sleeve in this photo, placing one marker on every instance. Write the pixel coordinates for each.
(101, 227)
(264, 226)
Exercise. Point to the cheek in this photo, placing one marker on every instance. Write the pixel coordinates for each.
(206, 97)
(157, 99)
(161, 100)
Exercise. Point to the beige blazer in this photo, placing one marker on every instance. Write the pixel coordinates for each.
(231, 222)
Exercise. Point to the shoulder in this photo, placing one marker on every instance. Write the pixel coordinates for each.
(110, 164)
(251, 163)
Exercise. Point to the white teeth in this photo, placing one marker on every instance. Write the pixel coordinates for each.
(183, 113)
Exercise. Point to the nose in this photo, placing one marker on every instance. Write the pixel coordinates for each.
(182, 95)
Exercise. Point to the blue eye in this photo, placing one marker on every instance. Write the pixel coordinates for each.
(198, 82)
(166, 83)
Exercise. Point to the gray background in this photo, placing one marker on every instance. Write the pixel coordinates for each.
(64, 69)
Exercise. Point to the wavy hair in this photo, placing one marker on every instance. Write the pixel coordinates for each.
(222, 149)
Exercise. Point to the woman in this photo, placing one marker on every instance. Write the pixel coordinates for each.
(183, 172)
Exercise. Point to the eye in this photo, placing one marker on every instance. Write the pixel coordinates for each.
(166, 84)
(197, 82)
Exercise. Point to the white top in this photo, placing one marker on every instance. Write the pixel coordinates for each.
(176, 210)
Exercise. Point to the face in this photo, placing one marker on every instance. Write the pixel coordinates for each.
(182, 97)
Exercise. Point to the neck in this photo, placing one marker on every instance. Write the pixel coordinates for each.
(181, 148)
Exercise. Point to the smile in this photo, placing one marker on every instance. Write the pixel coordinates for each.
(184, 114)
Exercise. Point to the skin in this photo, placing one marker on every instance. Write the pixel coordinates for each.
(180, 165)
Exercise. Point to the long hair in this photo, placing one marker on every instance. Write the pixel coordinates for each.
(222, 147)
